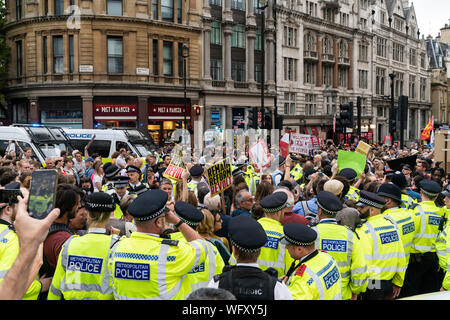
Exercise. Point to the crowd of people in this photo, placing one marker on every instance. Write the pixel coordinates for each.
(310, 230)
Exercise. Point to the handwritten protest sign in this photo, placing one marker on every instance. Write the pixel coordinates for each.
(176, 166)
(259, 155)
(219, 176)
(300, 143)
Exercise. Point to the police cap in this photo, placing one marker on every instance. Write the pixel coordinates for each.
(399, 180)
(196, 171)
(188, 213)
(246, 233)
(281, 160)
(430, 188)
(329, 203)
(150, 204)
(370, 199)
(111, 170)
(298, 234)
(132, 168)
(348, 173)
(120, 181)
(390, 190)
(274, 202)
(99, 202)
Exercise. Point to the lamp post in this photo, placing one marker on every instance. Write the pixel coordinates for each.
(185, 53)
(391, 112)
(262, 5)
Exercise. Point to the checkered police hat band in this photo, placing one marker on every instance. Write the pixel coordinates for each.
(154, 215)
(242, 248)
(429, 194)
(105, 206)
(370, 203)
(298, 243)
(326, 210)
(272, 210)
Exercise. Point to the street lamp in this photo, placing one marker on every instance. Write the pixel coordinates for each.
(185, 54)
(262, 5)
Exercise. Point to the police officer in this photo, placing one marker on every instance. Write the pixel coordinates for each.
(399, 216)
(250, 177)
(82, 268)
(111, 171)
(422, 275)
(246, 281)
(273, 253)
(278, 174)
(383, 249)
(408, 202)
(350, 174)
(297, 170)
(135, 185)
(150, 265)
(316, 275)
(442, 244)
(342, 244)
(120, 184)
(196, 173)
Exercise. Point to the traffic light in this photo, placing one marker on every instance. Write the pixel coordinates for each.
(346, 114)
(279, 122)
(253, 118)
(268, 120)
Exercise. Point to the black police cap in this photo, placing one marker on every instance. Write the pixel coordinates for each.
(120, 181)
(390, 190)
(150, 204)
(111, 170)
(196, 170)
(298, 234)
(329, 202)
(430, 188)
(281, 160)
(99, 202)
(132, 168)
(274, 202)
(246, 233)
(188, 213)
(348, 173)
(399, 180)
(370, 199)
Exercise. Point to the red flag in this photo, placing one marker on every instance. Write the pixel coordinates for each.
(427, 131)
(284, 145)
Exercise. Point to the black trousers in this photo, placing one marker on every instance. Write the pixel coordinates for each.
(422, 275)
(378, 290)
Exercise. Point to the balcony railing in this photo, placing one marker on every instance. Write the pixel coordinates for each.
(344, 61)
(219, 83)
(310, 55)
(241, 85)
(328, 58)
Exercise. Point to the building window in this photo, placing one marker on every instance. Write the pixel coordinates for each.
(290, 37)
(422, 61)
(290, 69)
(343, 49)
(412, 57)
(311, 8)
(155, 9)
(18, 9)
(258, 40)
(328, 14)
(398, 52)
(19, 57)
(238, 71)
(380, 81)
(423, 88)
(310, 104)
(59, 7)
(289, 103)
(382, 17)
(330, 105)
(58, 56)
(344, 18)
(179, 13)
(114, 7)
(381, 47)
(310, 42)
(398, 87)
(343, 77)
(71, 55)
(216, 33)
(115, 55)
(155, 57)
(167, 10)
(412, 87)
(238, 5)
(180, 60)
(216, 69)
(310, 73)
(398, 24)
(238, 37)
(327, 75)
(363, 79)
(167, 58)
(327, 46)
(258, 72)
(364, 4)
(216, 2)
(44, 55)
(363, 52)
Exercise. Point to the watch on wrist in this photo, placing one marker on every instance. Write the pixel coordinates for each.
(179, 223)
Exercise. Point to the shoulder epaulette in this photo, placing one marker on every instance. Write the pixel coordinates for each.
(170, 242)
(300, 270)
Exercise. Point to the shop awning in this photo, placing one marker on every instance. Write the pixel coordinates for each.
(116, 112)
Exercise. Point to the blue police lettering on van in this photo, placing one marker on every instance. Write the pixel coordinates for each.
(132, 271)
(84, 264)
(389, 237)
(272, 243)
(199, 268)
(331, 277)
(408, 228)
(433, 220)
(79, 135)
(334, 245)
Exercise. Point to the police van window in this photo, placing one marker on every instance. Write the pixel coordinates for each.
(23, 145)
(102, 147)
(122, 144)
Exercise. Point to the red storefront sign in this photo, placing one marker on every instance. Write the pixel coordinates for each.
(115, 111)
(170, 112)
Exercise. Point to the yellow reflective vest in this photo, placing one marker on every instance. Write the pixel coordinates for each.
(316, 278)
(148, 267)
(344, 246)
(408, 202)
(383, 250)
(82, 269)
(352, 194)
(427, 217)
(297, 172)
(403, 219)
(445, 257)
(274, 254)
(9, 250)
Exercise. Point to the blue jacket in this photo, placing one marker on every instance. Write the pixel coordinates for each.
(238, 212)
(312, 205)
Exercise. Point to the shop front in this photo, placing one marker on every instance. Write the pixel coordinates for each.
(115, 115)
(61, 112)
(165, 118)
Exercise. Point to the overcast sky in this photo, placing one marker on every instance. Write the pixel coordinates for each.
(431, 15)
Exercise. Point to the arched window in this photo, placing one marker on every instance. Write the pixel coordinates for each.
(343, 49)
(327, 47)
(310, 42)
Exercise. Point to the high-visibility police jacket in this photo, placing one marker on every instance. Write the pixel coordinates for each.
(383, 250)
(427, 218)
(352, 194)
(408, 202)
(192, 186)
(441, 248)
(201, 275)
(108, 186)
(274, 254)
(446, 254)
(316, 278)
(149, 267)
(9, 250)
(344, 246)
(82, 269)
(252, 182)
(403, 219)
(297, 172)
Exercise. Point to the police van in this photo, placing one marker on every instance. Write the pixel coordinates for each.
(108, 141)
(45, 141)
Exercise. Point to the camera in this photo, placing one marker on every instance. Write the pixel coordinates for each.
(9, 196)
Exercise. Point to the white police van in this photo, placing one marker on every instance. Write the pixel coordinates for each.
(45, 141)
(107, 141)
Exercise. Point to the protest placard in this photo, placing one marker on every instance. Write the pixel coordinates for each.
(259, 155)
(354, 160)
(176, 166)
(300, 143)
(363, 148)
(219, 176)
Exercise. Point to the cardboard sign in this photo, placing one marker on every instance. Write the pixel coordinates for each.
(219, 176)
(363, 148)
(354, 160)
(259, 155)
(300, 143)
(176, 166)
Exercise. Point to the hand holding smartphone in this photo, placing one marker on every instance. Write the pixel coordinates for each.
(42, 193)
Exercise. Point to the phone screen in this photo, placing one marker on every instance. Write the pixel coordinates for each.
(42, 193)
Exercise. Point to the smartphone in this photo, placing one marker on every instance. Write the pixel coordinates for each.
(42, 193)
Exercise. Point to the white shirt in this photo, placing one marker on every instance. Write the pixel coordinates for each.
(281, 290)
